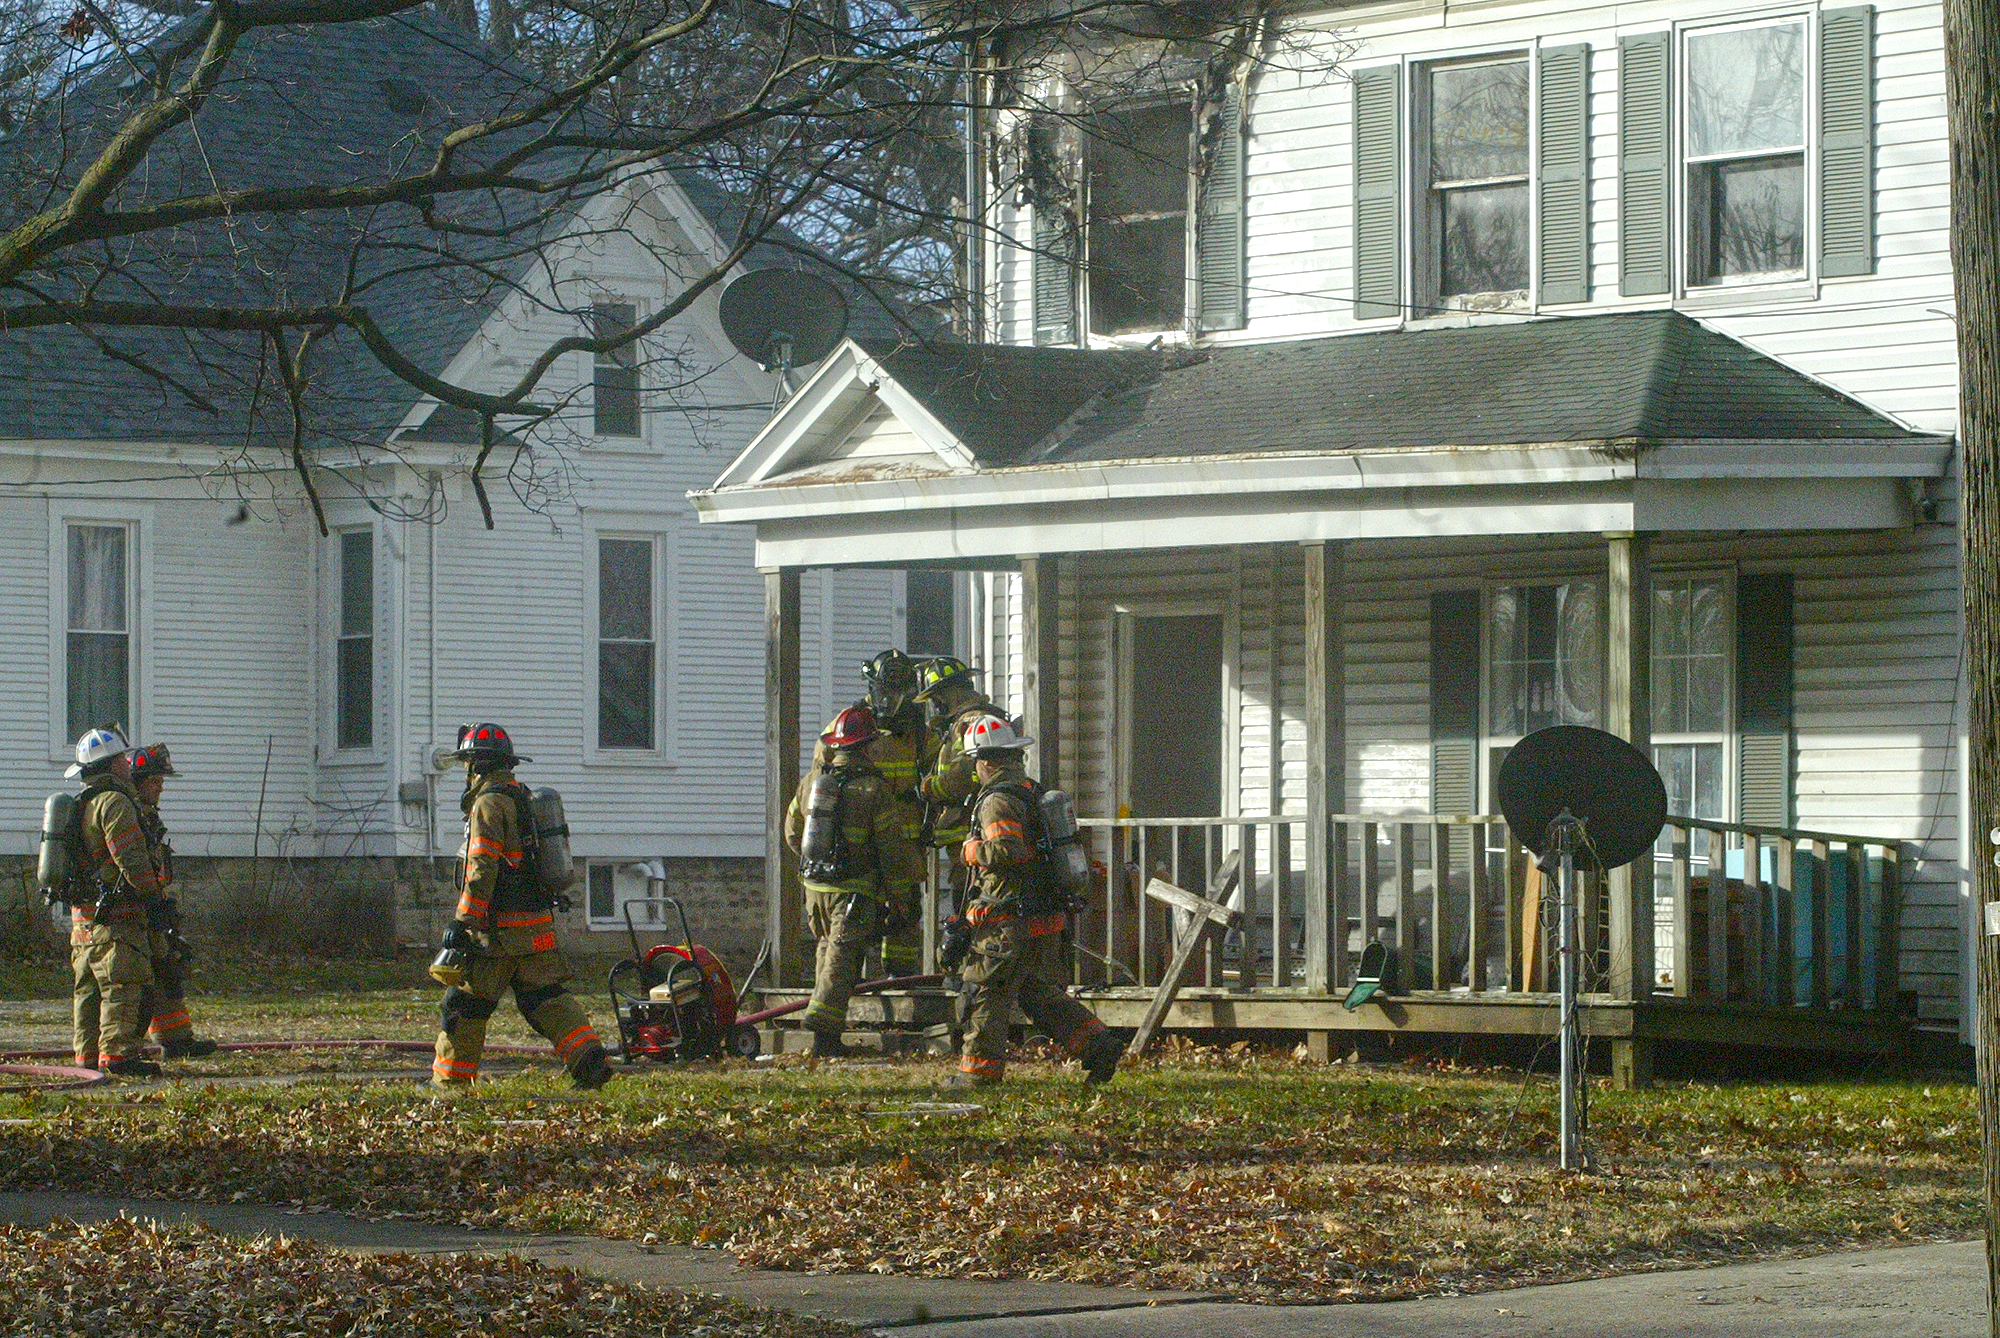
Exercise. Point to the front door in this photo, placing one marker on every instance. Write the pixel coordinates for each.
(1175, 744)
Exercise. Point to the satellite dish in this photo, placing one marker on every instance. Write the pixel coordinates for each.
(1596, 777)
(783, 318)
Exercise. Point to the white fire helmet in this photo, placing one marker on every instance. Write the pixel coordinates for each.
(991, 732)
(97, 745)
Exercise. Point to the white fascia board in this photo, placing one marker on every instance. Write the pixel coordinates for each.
(1225, 520)
(1450, 467)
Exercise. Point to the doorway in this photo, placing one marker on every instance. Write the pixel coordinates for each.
(1174, 726)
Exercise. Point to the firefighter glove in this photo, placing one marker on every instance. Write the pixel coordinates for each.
(163, 915)
(957, 943)
(458, 937)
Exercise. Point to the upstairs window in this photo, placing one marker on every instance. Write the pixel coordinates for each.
(354, 707)
(615, 376)
(1746, 152)
(97, 667)
(1136, 234)
(1477, 205)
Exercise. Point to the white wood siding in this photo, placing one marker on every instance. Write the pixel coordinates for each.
(1884, 338)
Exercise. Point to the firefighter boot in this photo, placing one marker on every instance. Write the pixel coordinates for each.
(1100, 1058)
(133, 1068)
(185, 1047)
(592, 1068)
(828, 1045)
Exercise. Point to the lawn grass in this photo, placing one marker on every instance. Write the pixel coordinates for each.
(1246, 1174)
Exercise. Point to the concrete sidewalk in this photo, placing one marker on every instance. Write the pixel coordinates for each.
(1925, 1291)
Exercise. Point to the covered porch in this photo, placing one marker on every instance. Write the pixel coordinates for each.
(1248, 623)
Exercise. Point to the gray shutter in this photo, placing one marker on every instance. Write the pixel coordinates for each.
(1378, 192)
(1219, 233)
(1764, 699)
(1565, 173)
(1847, 141)
(1645, 164)
(1054, 277)
(1455, 701)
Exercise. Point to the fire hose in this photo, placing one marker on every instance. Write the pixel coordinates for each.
(76, 1077)
(865, 987)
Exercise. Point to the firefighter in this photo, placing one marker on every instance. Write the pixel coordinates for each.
(111, 961)
(855, 863)
(166, 1001)
(899, 753)
(504, 931)
(945, 685)
(1016, 921)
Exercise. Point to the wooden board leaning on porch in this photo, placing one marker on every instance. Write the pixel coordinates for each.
(1211, 915)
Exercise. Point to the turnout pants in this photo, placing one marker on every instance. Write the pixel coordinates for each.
(1009, 965)
(166, 997)
(111, 968)
(845, 925)
(537, 981)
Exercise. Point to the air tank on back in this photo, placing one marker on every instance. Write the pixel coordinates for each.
(56, 865)
(554, 865)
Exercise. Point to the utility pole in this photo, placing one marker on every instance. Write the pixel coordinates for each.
(1972, 88)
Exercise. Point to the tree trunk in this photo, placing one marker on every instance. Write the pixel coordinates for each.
(1972, 84)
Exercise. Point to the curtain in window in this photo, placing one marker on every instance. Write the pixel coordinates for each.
(98, 657)
(626, 649)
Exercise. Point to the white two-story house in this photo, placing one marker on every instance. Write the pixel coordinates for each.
(163, 569)
(1414, 377)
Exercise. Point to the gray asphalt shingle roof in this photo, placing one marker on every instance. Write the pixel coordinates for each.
(331, 103)
(1644, 376)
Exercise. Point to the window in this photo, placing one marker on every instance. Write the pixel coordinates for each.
(601, 892)
(627, 646)
(97, 668)
(1476, 205)
(615, 380)
(1745, 139)
(1545, 652)
(1690, 691)
(354, 706)
(929, 624)
(1137, 230)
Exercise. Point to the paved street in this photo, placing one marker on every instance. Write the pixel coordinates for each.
(1926, 1291)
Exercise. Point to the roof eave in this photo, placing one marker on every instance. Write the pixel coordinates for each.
(1542, 463)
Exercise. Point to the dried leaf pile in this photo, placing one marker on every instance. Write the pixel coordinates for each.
(1251, 1176)
(125, 1277)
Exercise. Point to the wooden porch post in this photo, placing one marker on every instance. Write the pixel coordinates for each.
(1326, 759)
(1041, 676)
(781, 771)
(1628, 713)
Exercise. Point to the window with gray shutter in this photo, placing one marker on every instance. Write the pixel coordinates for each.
(1378, 192)
(1745, 147)
(1847, 142)
(1219, 234)
(1645, 164)
(1455, 701)
(1136, 167)
(1054, 265)
(1564, 182)
(1764, 676)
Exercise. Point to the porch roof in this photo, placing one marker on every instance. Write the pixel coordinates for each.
(1638, 420)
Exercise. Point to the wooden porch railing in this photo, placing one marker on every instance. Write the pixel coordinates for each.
(1457, 897)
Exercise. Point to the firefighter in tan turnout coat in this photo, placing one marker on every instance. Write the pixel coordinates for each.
(858, 865)
(504, 932)
(111, 958)
(166, 999)
(1016, 921)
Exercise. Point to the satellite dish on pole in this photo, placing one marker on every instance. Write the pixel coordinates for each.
(783, 318)
(1596, 778)
(1562, 790)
